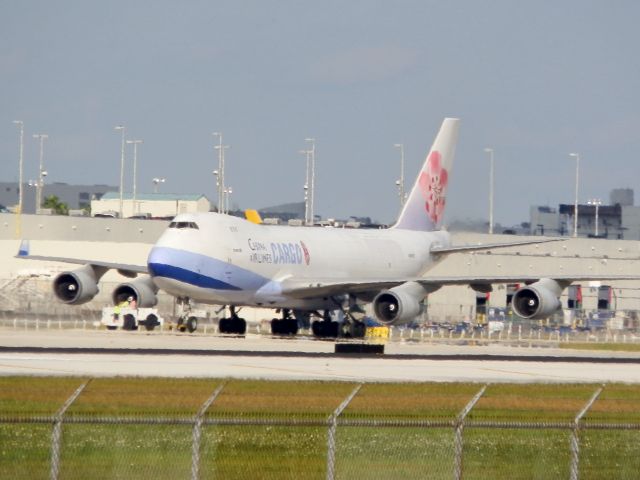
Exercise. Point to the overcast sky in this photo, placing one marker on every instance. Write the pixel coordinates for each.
(535, 80)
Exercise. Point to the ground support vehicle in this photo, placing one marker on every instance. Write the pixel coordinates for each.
(128, 318)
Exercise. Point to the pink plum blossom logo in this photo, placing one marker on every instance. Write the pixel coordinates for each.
(433, 186)
(305, 250)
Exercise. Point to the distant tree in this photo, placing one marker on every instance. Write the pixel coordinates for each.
(54, 203)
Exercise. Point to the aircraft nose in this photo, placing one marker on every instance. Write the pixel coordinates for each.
(157, 258)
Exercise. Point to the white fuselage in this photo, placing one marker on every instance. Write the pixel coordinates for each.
(226, 260)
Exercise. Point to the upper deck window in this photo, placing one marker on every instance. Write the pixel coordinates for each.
(192, 225)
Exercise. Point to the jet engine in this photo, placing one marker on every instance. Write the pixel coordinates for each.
(400, 304)
(77, 286)
(142, 290)
(538, 300)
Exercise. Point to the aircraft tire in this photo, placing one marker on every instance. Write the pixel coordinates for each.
(325, 329)
(332, 330)
(192, 324)
(128, 322)
(276, 327)
(151, 322)
(291, 326)
(357, 330)
(222, 325)
(241, 327)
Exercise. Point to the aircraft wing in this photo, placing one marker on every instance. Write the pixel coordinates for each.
(488, 246)
(125, 269)
(314, 288)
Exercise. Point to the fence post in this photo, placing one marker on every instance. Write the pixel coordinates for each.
(458, 433)
(57, 431)
(197, 433)
(575, 441)
(331, 437)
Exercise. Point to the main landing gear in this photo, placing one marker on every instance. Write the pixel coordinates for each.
(234, 324)
(287, 325)
(325, 328)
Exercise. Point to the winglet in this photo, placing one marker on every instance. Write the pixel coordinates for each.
(253, 216)
(23, 251)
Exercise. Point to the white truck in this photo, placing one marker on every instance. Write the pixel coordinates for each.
(131, 318)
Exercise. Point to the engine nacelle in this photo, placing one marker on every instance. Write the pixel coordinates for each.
(77, 286)
(538, 300)
(142, 290)
(400, 304)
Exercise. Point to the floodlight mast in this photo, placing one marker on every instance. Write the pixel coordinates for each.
(220, 172)
(122, 129)
(575, 203)
(400, 181)
(491, 187)
(41, 171)
(135, 144)
(20, 123)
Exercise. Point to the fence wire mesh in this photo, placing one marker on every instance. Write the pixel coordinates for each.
(274, 448)
(132, 428)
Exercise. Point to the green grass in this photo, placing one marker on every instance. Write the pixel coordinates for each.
(25, 451)
(516, 454)
(261, 452)
(533, 402)
(612, 347)
(277, 451)
(126, 451)
(143, 396)
(20, 396)
(395, 453)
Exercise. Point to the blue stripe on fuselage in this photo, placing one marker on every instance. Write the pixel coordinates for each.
(187, 276)
(201, 271)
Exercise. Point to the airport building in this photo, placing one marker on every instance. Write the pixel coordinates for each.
(619, 219)
(149, 205)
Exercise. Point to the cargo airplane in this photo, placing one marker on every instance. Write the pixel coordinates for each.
(225, 260)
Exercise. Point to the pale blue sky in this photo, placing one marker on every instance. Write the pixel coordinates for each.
(535, 80)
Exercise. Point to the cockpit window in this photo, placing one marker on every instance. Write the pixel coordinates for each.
(192, 225)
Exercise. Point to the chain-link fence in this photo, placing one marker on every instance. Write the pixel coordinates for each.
(343, 444)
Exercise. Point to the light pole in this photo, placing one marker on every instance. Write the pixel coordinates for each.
(596, 202)
(156, 181)
(312, 185)
(575, 203)
(20, 123)
(400, 182)
(122, 131)
(490, 152)
(41, 171)
(135, 144)
(227, 199)
(307, 179)
(220, 175)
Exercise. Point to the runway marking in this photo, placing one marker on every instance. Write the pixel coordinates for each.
(28, 368)
(531, 374)
(296, 371)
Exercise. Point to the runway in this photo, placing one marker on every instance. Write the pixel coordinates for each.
(102, 353)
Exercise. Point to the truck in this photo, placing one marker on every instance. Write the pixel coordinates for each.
(128, 318)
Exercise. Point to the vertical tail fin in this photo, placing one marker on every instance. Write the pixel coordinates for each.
(424, 207)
